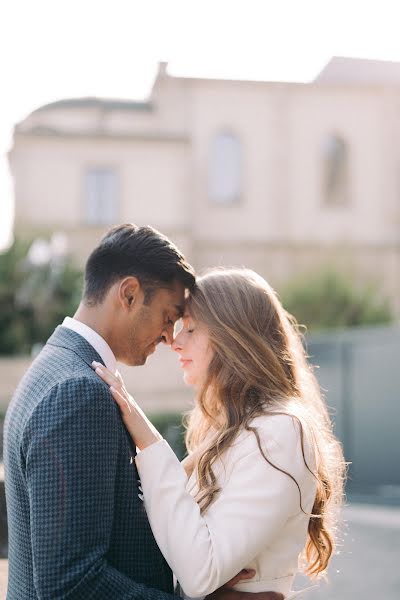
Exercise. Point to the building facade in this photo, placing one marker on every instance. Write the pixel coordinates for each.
(281, 177)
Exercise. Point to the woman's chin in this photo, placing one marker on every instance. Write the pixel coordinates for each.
(189, 379)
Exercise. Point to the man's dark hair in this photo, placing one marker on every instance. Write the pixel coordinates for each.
(142, 252)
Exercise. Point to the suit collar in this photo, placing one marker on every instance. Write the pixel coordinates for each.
(95, 340)
(70, 340)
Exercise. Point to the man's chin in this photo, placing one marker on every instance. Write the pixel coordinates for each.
(134, 361)
(138, 361)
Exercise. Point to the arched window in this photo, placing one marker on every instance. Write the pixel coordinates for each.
(335, 156)
(225, 169)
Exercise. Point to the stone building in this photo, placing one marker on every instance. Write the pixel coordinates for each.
(281, 177)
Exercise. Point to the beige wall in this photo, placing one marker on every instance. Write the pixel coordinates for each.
(282, 263)
(357, 116)
(49, 176)
(157, 386)
(162, 158)
(280, 226)
(282, 129)
(248, 111)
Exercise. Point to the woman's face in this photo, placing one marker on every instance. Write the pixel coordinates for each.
(192, 343)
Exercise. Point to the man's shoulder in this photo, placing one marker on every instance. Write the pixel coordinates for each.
(78, 398)
(53, 386)
(51, 364)
(77, 387)
(50, 368)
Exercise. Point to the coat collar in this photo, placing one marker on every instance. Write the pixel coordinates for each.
(70, 340)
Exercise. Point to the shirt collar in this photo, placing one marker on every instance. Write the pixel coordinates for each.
(95, 340)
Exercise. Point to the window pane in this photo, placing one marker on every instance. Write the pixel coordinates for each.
(101, 193)
(225, 173)
(335, 170)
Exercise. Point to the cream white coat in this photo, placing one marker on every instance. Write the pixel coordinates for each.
(255, 522)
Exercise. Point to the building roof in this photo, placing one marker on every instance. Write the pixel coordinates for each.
(93, 102)
(359, 71)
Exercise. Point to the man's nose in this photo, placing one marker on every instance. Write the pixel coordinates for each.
(168, 335)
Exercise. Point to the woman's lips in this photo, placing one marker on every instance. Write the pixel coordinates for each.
(184, 362)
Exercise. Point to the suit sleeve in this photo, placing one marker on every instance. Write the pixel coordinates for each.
(206, 550)
(71, 448)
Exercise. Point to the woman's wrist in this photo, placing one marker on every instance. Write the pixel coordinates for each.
(149, 440)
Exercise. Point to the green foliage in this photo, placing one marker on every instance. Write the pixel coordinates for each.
(13, 322)
(329, 299)
(171, 428)
(33, 298)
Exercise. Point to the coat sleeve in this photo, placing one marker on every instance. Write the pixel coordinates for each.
(70, 448)
(207, 550)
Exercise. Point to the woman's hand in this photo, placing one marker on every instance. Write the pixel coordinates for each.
(242, 576)
(140, 428)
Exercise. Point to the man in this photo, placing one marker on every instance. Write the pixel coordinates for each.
(77, 525)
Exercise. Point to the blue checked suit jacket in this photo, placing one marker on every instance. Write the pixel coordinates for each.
(77, 527)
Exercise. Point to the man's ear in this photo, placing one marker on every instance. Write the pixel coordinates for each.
(129, 291)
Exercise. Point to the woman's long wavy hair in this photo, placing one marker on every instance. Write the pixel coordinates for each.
(259, 367)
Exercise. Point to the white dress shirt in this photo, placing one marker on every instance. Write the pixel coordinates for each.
(95, 340)
(255, 522)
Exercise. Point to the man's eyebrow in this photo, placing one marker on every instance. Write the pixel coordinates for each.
(179, 310)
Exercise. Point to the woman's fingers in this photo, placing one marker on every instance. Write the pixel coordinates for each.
(116, 384)
(108, 377)
(243, 574)
(106, 374)
(142, 431)
(122, 400)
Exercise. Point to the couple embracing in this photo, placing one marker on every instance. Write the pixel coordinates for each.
(100, 508)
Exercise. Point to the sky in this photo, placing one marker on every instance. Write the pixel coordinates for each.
(52, 49)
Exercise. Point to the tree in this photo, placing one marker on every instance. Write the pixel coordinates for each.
(34, 296)
(328, 299)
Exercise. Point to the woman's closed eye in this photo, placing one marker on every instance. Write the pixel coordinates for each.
(184, 325)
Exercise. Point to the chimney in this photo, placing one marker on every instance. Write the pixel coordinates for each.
(162, 69)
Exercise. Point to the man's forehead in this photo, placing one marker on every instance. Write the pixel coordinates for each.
(177, 309)
(175, 300)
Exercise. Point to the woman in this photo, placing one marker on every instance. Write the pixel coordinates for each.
(264, 475)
